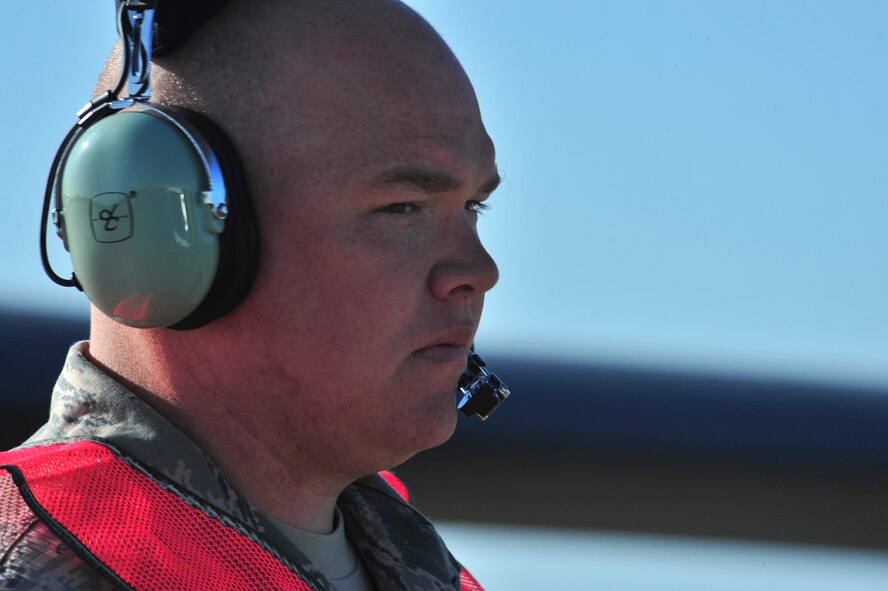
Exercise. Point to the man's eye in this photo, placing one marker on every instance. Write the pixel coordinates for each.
(406, 207)
(476, 206)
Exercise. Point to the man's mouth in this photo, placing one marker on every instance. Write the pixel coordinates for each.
(451, 347)
(444, 353)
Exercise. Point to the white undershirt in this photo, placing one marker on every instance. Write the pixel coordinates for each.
(331, 553)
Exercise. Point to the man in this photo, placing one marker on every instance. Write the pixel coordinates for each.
(368, 163)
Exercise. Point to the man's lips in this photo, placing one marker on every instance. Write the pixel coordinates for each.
(449, 347)
(449, 354)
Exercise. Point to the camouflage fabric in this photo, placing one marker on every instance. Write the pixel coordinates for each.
(397, 544)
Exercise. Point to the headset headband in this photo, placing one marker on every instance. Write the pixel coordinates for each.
(174, 22)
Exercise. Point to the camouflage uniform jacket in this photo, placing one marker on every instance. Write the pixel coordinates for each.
(398, 545)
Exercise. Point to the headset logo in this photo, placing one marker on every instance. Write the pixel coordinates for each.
(112, 217)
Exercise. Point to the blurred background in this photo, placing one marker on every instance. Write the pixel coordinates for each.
(691, 312)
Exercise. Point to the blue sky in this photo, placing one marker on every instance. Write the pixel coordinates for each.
(689, 184)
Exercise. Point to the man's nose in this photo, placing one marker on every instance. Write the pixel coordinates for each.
(467, 270)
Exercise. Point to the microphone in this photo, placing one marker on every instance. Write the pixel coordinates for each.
(482, 391)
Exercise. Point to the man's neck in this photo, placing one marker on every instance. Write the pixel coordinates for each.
(272, 471)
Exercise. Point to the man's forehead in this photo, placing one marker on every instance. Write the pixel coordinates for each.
(436, 162)
(474, 143)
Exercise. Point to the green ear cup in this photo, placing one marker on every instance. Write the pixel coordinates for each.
(143, 245)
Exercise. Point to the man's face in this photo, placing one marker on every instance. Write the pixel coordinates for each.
(373, 277)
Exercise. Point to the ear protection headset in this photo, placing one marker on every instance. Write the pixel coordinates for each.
(151, 202)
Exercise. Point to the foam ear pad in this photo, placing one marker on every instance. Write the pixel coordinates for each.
(239, 243)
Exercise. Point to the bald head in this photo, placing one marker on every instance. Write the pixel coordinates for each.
(299, 85)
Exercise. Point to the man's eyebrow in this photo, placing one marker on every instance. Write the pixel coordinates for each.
(431, 181)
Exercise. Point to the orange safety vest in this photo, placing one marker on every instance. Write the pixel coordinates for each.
(142, 533)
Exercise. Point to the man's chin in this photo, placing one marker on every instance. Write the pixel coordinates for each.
(428, 432)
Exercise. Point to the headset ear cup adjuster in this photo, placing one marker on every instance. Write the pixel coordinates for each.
(132, 203)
